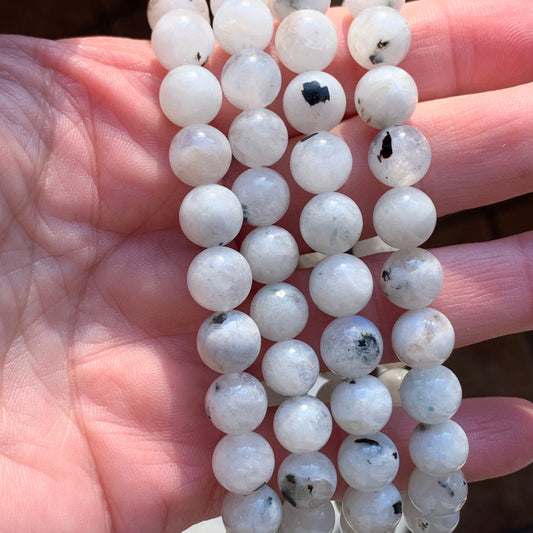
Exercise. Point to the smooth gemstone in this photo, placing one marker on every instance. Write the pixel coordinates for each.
(282, 8)
(318, 520)
(419, 522)
(158, 8)
(356, 6)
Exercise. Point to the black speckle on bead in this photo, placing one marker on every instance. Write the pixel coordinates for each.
(385, 275)
(204, 61)
(444, 485)
(367, 346)
(198, 56)
(382, 44)
(314, 94)
(386, 148)
(308, 136)
(219, 319)
(288, 488)
(268, 501)
(310, 488)
(369, 442)
(397, 507)
(375, 59)
(422, 525)
(245, 213)
(217, 387)
(395, 455)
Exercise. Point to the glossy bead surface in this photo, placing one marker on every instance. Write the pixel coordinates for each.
(419, 522)
(318, 520)
(356, 6)
(282, 8)
(158, 8)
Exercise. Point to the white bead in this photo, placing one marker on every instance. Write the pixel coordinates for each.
(240, 24)
(271, 252)
(306, 40)
(318, 520)
(419, 522)
(210, 215)
(282, 8)
(372, 512)
(385, 96)
(351, 346)
(404, 217)
(379, 36)
(438, 495)
(236, 403)
(228, 342)
(302, 424)
(423, 338)
(158, 8)
(307, 480)
(368, 463)
(250, 79)
(431, 395)
(290, 367)
(243, 463)
(356, 6)
(314, 101)
(331, 223)
(399, 156)
(438, 449)
(321, 162)
(259, 512)
(190, 95)
(362, 406)
(412, 278)
(200, 154)
(258, 137)
(264, 195)
(182, 37)
(219, 278)
(280, 311)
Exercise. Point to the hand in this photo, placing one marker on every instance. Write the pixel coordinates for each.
(102, 423)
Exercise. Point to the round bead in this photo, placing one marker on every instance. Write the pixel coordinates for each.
(412, 278)
(340, 285)
(236, 403)
(399, 156)
(264, 195)
(243, 463)
(200, 154)
(421, 523)
(307, 480)
(372, 512)
(290, 367)
(368, 463)
(271, 252)
(362, 406)
(404, 217)
(302, 424)
(314, 101)
(321, 162)
(306, 40)
(258, 137)
(250, 79)
(356, 6)
(219, 278)
(423, 338)
(385, 96)
(438, 449)
(331, 223)
(280, 311)
(190, 95)
(318, 520)
(158, 8)
(210, 215)
(259, 512)
(282, 8)
(228, 342)
(351, 346)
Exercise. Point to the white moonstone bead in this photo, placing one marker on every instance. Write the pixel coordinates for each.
(259, 512)
(250, 79)
(271, 252)
(182, 37)
(258, 137)
(438, 449)
(307, 480)
(314, 101)
(282, 8)
(351, 346)
(210, 215)
(331, 223)
(356, 6)
(399, 156)
(280, 311)
(412, 278)
(190, 94)
(240, 24)
(321, 162)
(421, 523)
(431, 395)
(340, 285)
(228, 342)
(236, 403)
(200, 154)
(404, 217)
(243, 463)
(362, 406)
(372, 512)
(264, 195)
(306, 40)
(318, 520)
(290, 367)
(302, 424)
(158, 8)
(385, 96)
(368, 463)
(219, 278)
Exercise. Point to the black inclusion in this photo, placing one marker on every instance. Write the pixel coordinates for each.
(219, 319)
(383, 44)
(308, 136)
(367, 346)
(370, 442)
(385, 275)
(375, 59)
(386, 148)
(314, 94)
(397, 507)
(444, 485)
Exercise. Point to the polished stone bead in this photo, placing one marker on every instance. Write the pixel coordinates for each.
(318, 520)
(282, 8)
(356, 6)
(419, 522)
(158, 8)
